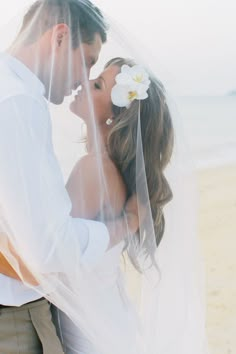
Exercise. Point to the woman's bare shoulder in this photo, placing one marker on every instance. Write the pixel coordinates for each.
(113, 179)
(99, 165)
(112, 173)
(115, 186)
(101, 178)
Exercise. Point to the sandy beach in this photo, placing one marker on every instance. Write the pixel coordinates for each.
(218, 238)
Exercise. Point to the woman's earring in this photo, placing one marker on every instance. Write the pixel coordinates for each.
(109, 121)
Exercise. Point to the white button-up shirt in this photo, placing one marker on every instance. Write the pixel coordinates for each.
(32, 192)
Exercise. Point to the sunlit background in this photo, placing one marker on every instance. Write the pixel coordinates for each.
(192, 45)
(194, 40)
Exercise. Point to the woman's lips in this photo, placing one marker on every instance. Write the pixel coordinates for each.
(78, 94)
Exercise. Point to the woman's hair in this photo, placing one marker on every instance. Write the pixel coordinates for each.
(157, 144)
(82, 17)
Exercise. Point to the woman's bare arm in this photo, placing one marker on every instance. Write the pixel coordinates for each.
(85, 192)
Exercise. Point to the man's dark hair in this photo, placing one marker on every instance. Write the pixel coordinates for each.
(81, 16)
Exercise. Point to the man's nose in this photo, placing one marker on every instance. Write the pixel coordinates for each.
(87, 84)
(86, 73)
(91, 83)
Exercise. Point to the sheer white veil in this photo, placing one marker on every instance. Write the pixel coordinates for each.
(158, 311)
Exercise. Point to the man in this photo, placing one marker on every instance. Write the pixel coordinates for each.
(59, 42)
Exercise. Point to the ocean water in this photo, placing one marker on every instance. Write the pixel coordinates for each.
(210, 128)
(209, 124)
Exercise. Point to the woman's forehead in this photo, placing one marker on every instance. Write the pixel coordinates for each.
(109, 74)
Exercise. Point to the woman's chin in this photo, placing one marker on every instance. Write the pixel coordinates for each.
(73, 109)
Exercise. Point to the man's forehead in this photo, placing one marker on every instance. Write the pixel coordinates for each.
(92, 54)
(92, 51)
(95, 47)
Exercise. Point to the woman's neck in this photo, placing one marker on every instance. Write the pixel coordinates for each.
(96, 141)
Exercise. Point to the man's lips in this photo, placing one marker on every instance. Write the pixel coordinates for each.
(77, 85)
(69, 90)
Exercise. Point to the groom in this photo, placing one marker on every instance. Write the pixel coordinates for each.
(60, 40)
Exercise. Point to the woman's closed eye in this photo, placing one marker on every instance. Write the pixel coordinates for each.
(97, 86)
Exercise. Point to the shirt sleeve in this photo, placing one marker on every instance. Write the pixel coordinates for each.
(35, 204)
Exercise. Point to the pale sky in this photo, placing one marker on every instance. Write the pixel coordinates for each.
(193, 42)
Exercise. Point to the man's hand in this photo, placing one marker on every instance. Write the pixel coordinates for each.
(6, 269)
(135, 214)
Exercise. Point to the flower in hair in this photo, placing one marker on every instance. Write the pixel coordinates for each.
(131, 84)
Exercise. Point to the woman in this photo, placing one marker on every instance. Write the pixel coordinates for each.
(104, 179)
(116, 144)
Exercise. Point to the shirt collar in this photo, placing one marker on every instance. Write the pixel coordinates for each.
(24, 73)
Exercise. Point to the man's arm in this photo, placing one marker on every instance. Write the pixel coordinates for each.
(117, 230)
(36, 204)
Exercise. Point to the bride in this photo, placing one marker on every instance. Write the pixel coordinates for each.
(130, 153)
(117, 105)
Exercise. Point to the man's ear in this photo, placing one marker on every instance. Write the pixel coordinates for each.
(60, 34)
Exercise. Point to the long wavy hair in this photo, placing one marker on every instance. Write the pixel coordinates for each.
(157, 143)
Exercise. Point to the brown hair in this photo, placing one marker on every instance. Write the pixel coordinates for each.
(81, 16)
(157, 145)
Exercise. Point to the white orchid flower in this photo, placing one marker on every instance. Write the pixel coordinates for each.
(130, 75)
(124, 95)
(139, 75)
(131, 84)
